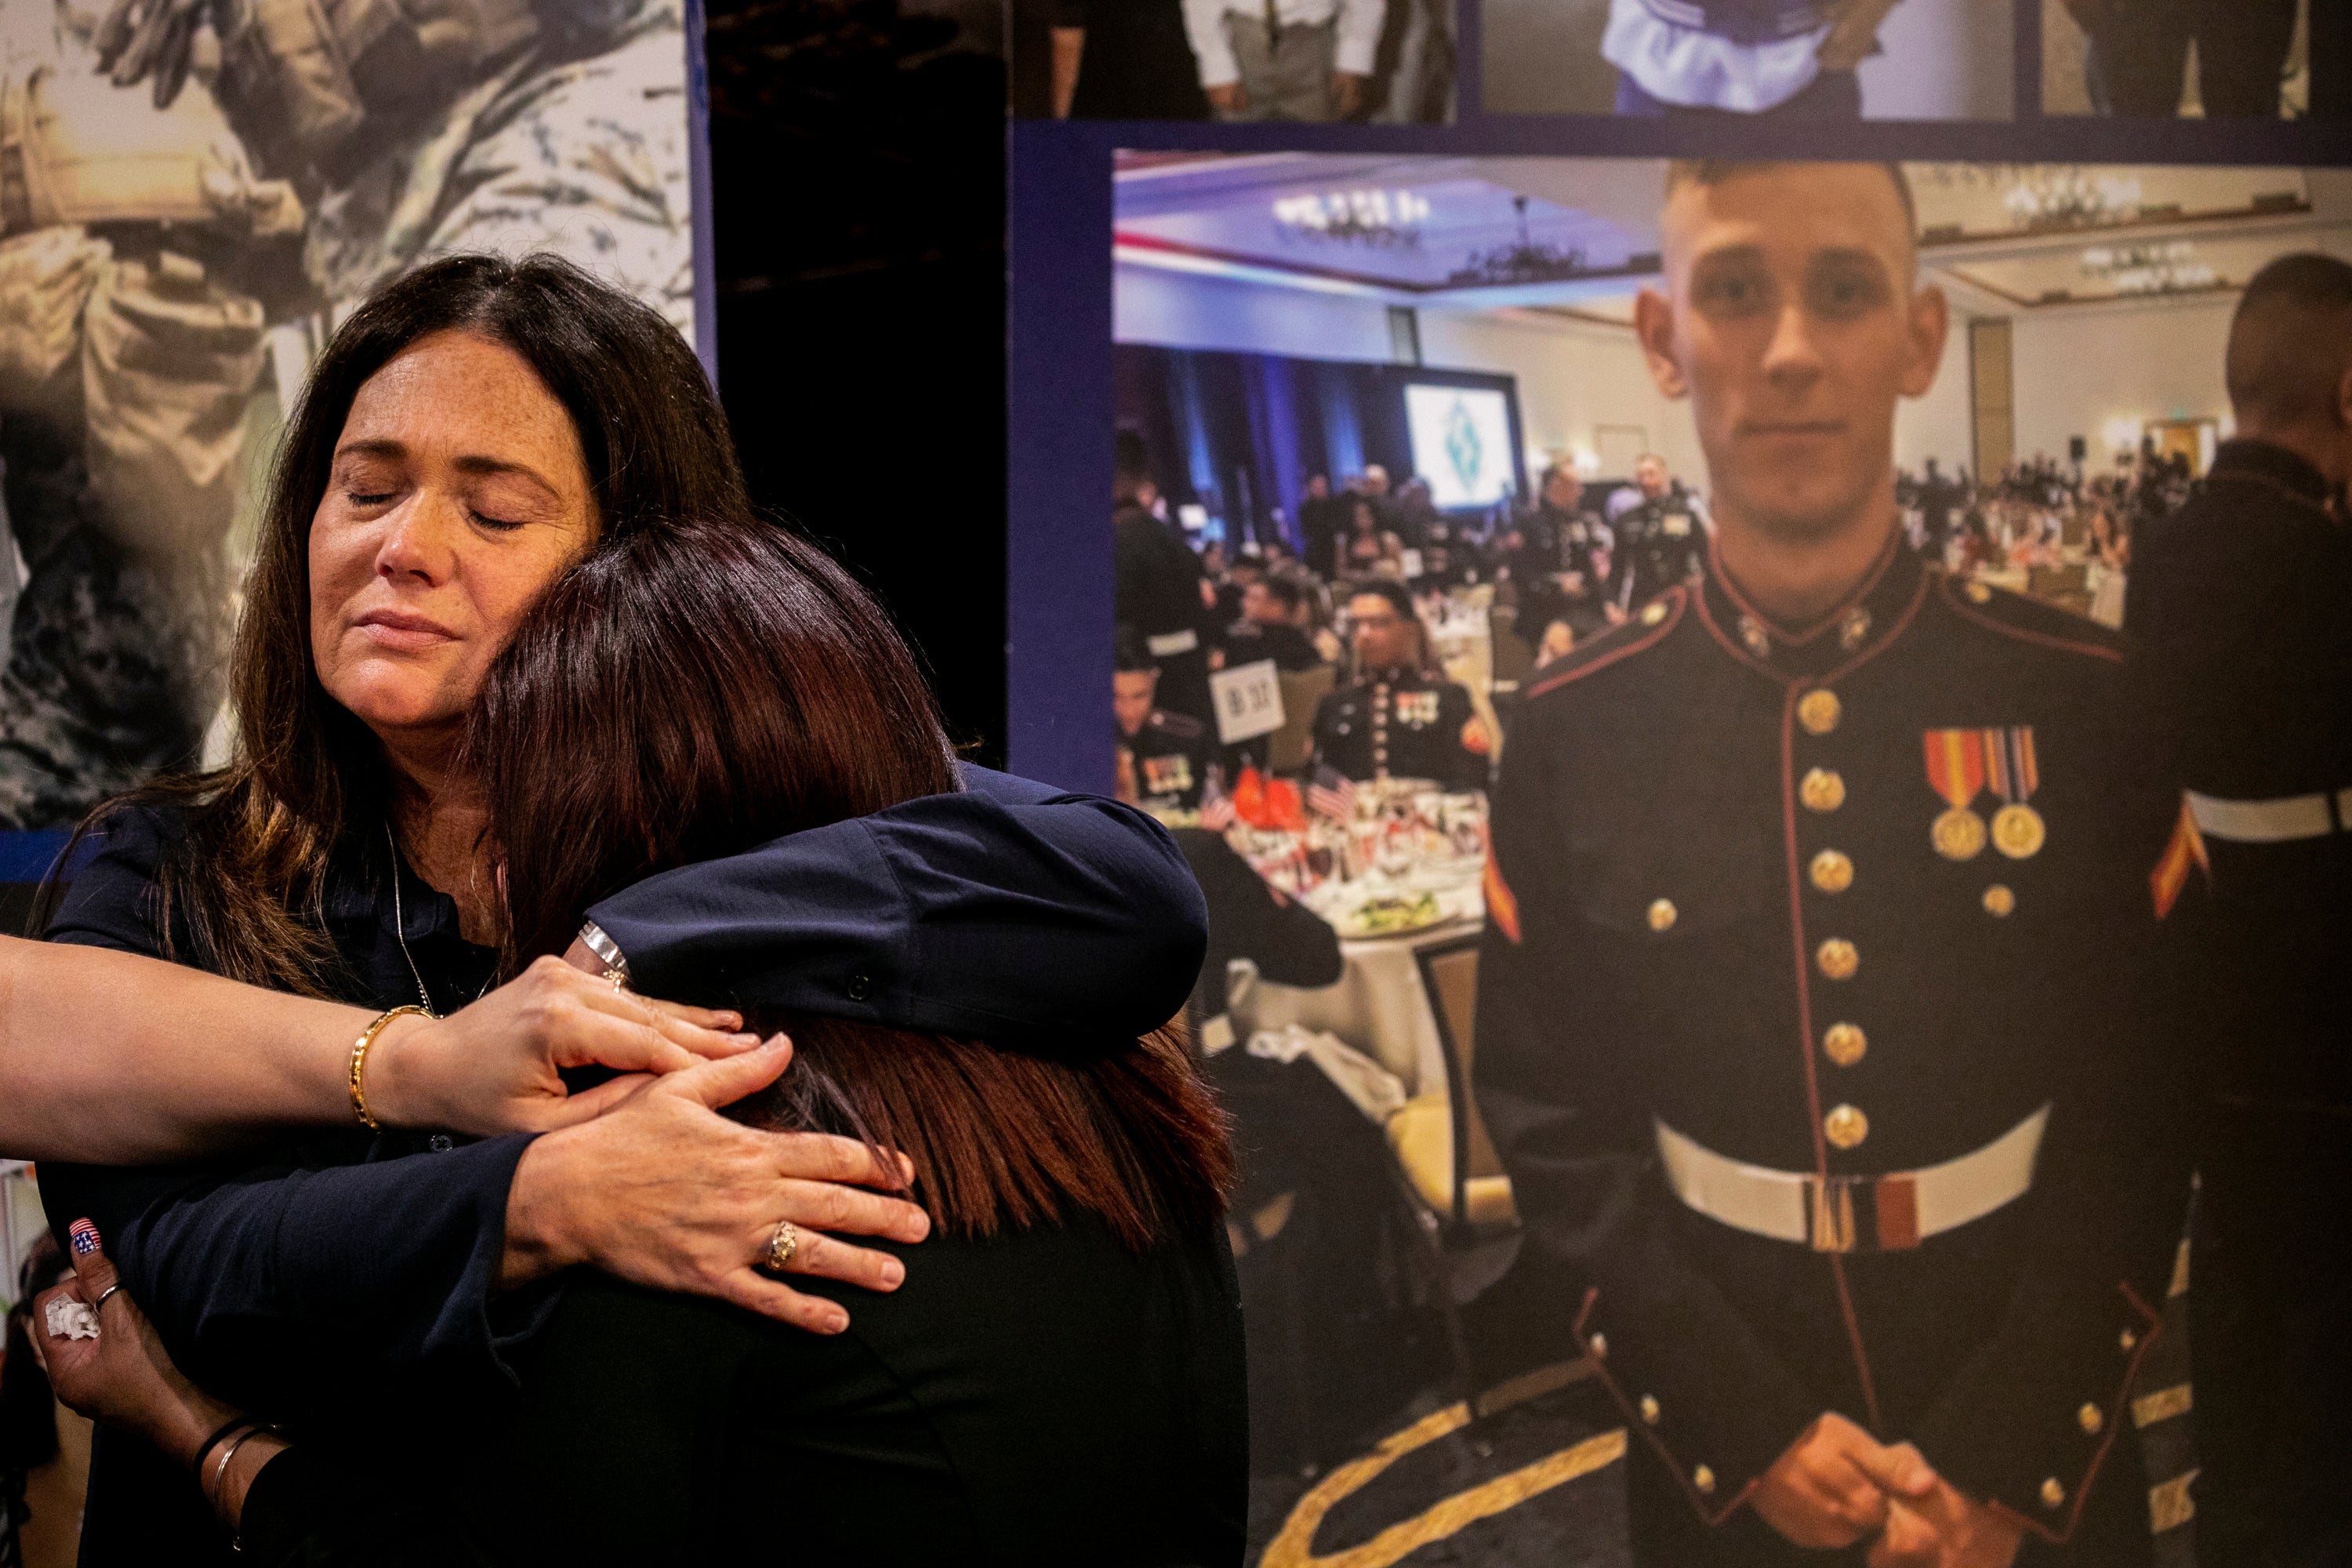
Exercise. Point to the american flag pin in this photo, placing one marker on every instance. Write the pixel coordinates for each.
(85, 1237)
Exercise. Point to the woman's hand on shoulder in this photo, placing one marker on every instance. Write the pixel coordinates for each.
(665, 1191)
(495, 1067)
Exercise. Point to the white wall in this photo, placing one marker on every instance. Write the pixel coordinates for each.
(1938, 425)
(1188, 310)
(2079, 369)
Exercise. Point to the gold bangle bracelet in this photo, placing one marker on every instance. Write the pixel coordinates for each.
(359, 1061)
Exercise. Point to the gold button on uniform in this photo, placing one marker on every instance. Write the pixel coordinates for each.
(1662, 914)
(1600, 1344)
(1704, 1480)
(1832, 872)
(1844, 1044)
(1653, 612)
(1650, 1409)
(1999, 901)
(2091, 1418)
(1977, 593)
(2128, 1340)
(1822, 790)
(1818, 711)
(1837, 958)
(2053, 1494)
(1845, 1127)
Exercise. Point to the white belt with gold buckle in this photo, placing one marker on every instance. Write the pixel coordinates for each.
(2279, 821)
(1854, 1214)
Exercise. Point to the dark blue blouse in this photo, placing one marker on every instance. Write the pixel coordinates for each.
(343, 1271)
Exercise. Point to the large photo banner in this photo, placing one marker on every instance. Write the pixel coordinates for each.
(1725, 1005)
(194, 197)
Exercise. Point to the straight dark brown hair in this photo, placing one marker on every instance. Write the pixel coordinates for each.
(693, 691)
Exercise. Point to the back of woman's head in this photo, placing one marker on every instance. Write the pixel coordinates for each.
(693, 691)
(683, 693)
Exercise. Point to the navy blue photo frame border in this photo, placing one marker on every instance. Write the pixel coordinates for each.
(1058, 360)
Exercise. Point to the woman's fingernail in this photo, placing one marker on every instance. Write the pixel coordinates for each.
(85, 1237)
(746, 1040)
(730, 1020)
(893, 1273)
(835, 1322)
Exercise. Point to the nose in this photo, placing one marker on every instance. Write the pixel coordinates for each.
(1791, 356)
(420, 538)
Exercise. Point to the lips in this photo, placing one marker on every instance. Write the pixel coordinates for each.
(402, 629)
(1795, 428)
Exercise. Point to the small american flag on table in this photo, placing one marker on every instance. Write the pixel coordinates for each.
(1331, 794)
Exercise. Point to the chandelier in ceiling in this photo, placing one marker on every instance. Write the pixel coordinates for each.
(2042, 195)
(1523, 262)
(2162, 267)
(1387, 220)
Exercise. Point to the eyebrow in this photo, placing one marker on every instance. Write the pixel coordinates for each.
(383, 446)
(1854, 254)
(1835, 253)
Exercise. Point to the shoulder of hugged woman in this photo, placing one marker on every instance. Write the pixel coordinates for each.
(480, 431)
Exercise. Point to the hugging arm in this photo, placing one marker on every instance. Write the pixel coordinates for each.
(1010, 908)
(260, 1267)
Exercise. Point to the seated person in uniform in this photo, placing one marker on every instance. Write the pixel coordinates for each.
(1793, 59)
(1061, 1378)
(1163, 757)
(1268, 628)
(1399, 717)
(1559, 567)
(1661, 537)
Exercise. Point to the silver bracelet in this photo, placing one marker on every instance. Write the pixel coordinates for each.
(607, 950)
(213, 1493)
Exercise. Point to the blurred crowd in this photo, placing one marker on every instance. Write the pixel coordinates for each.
(1343, 591)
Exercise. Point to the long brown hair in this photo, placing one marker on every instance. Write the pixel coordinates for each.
(246, 879)
(696, 690)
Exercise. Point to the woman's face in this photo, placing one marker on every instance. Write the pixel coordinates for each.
(459, 491)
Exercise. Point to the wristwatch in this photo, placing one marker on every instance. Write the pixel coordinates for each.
(607, 950)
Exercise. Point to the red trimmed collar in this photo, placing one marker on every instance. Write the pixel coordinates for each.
(1856, 627)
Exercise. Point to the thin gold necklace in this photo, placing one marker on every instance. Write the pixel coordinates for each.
(400, 931)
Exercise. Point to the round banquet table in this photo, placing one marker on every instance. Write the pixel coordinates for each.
(1379, 1005)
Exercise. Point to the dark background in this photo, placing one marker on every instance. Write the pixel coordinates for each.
(857, 164)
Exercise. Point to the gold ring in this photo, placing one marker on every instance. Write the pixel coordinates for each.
(783, 1242)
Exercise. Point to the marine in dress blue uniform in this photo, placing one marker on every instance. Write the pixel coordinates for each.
(2236, 608)
(1660, 543)
(1399, 717)
(1898, 1156)
(1820, 1028)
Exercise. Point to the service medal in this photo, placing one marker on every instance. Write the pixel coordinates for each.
(2014, 773)
(1958, 833)
(2018, 831)
(1956, 771)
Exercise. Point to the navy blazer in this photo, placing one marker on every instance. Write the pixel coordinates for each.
(344, 1270)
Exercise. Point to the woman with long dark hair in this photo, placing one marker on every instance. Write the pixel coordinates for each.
(1060, 1383)
(472, 431)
